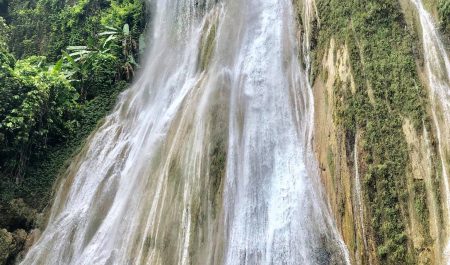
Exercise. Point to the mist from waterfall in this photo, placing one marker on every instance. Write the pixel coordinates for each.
(207, 158)
(437, 66)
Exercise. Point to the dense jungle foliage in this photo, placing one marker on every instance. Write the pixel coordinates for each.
(62, 65)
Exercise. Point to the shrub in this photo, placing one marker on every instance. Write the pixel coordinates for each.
(38, 106)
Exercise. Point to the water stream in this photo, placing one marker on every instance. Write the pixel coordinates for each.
(437, 66)
(359, 196)
(207, 158)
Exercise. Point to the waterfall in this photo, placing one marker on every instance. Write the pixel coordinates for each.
(359, 196)
(437, 64)
(207, 158)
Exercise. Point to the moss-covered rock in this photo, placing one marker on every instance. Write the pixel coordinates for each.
(387, 90)
(444, 13)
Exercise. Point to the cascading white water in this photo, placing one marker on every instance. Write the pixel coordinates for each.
(207, 158)
(437, 64)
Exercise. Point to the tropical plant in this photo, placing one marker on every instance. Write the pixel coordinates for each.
(38, 106)
(126, 43)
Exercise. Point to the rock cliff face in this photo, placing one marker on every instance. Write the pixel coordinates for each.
(378, 150)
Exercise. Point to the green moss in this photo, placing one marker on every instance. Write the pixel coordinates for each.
(208, 41)
(444, 13)
(420, 204)
(217, 170)
(382, 60)
(330, 161)
(218, 151)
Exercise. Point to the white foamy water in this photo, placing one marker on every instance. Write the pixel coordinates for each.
(207, 158)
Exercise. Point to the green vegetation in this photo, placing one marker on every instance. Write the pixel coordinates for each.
(38, 107)
(208, 41)
(420, 203)
(11, 244)
(330, 161)
(382, 61)
(444, 13)
(75, 57)
(46, 27)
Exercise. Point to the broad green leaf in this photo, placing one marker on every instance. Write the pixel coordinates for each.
(111, 28)
(79, 53)
(107, 33)
(110, 38)
(69, 58)
(57, 67)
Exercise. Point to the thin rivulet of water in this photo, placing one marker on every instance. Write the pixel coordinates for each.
(437, 64)
(207, 158)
